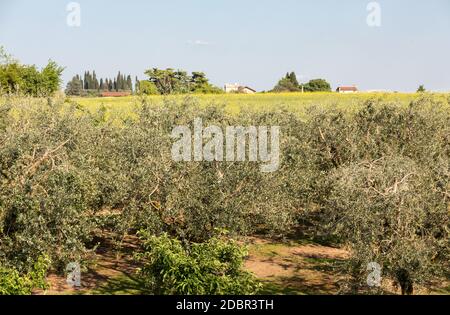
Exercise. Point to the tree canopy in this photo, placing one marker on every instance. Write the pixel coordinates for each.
(421, 89)
(28, 80)
(317, 85)
(170, 81)
(289, 83)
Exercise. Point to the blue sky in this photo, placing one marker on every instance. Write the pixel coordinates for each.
(253, 42)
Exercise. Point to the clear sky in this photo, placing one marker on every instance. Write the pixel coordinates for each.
(253, 42)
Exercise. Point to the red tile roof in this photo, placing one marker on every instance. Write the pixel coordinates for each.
(115, 94)
(347, 88)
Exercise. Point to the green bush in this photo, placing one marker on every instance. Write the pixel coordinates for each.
(210, 268)
(148, 88)
(13, 283)
(19, 79)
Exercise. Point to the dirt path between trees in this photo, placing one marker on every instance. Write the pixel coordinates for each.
(284, 268)
(294, 268)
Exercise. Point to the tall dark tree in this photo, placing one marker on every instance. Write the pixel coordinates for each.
(75, 86)
(129, 83)
(118, 82)
(95, 84)
(136, 85)
(85, 80)
(293, 77)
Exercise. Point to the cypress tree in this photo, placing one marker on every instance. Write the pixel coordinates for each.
(118, 81)
(293, 78)
(136, 85)
(85, 85)
(129, 83)
(95, 84)
(89, 81)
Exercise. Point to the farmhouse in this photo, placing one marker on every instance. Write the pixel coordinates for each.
(246, 90)
(115, 94)
(347, 89)
(237, 88)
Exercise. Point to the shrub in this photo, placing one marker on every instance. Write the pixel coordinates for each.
(210, 268)
(148, 88)
(13, 283)
(16, 78)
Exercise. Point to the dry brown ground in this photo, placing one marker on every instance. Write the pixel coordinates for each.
(294, 268)
(284, 268)
(109, 262)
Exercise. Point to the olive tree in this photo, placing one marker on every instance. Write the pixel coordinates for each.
(391, 212)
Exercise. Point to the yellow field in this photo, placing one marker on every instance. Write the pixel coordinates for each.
(120, 108)
(296, 102)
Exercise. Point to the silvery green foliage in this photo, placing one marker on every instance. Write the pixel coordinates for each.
(67, 174)
(190, 199)
(389, 191)
(391, 212)
(45, 190)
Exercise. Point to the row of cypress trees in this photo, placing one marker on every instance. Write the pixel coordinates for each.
(89, 82)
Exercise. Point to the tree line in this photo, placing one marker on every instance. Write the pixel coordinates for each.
(16, 78)
(159, 82)
(89, 84)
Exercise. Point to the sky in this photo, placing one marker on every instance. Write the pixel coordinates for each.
(251, 42)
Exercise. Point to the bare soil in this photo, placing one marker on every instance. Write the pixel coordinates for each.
(283, 267)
